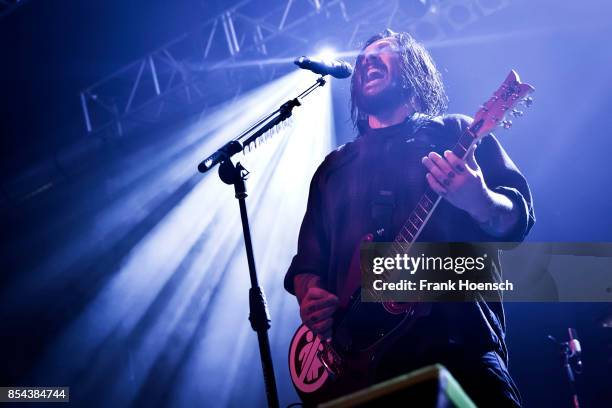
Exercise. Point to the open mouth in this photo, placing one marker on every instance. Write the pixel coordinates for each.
(374, 73)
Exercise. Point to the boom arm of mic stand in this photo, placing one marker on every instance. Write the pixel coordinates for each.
(268, 122)
(283, 114)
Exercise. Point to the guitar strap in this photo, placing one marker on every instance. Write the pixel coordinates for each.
(384, 201)
(382, 206)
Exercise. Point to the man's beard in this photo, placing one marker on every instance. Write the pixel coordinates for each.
(387, 99)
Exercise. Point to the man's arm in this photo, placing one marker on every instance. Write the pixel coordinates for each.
(303, 282)
(498, 215)
(312, 250)
(317, 305)
(306, 274)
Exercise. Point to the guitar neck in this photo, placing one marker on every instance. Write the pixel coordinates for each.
(491, 113)
(425, 207)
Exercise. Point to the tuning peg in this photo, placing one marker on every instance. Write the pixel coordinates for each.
(506, 124)
(527, 101)
(516, 113)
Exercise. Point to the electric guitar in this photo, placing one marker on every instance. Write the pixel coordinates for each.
(362, 331)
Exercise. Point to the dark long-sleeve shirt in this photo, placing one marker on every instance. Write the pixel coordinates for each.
(348, 182)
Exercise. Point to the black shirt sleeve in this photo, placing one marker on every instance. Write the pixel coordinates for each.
(313, 242)
(503, 176)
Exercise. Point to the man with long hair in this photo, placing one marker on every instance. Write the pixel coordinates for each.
(397, 105)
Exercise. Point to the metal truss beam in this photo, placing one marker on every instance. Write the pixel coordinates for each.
(227, 55)
(207, 64)
(196, 65)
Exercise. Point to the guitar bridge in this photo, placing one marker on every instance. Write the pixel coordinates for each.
(331, 360)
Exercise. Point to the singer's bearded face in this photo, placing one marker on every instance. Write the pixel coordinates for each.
(378, 77)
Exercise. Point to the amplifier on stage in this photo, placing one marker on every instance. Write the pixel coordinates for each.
(429, 387)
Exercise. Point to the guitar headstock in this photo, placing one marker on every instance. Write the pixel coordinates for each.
(503, 102)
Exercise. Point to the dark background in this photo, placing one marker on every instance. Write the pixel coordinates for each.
(53, 49)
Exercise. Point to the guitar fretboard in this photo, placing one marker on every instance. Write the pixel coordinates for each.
(425, 207)
(415, 223)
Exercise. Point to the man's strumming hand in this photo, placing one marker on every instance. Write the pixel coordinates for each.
(317, 305)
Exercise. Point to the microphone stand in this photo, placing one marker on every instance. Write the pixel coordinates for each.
(566, 355)
(235, 175)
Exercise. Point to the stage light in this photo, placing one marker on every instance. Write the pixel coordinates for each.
(326, 53)
(181, 292)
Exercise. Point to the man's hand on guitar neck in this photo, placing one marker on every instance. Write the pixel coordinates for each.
(317, 305)
(462, 184)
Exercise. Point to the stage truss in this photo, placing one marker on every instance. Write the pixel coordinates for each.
(245, 46)
(248, 45)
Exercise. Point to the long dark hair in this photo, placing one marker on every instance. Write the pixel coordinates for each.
(420, 79)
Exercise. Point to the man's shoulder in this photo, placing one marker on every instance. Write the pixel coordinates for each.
(336, 159)
(450, 122)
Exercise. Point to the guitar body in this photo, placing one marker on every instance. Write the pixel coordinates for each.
(313, 382)
(364, 331)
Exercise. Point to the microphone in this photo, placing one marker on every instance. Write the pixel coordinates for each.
(336, 68)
